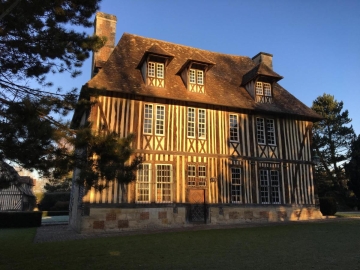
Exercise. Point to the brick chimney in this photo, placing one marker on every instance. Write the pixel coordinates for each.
(104, 25)
(266, 58)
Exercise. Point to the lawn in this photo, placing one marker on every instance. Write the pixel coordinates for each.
(331, 245)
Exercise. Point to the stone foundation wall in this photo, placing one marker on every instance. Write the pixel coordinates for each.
(269, 213)
(138, 218)
(120, 219)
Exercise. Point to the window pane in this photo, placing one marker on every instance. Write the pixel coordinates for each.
(264, 187)
(191, 123)
(200, 77)
(235, 185)
(202, 176)
(270, 125)
(148, 112)
(160, 120)
(160, 70)
(260, 130)
(143, 183)
(259, 88)
(275, 187)
(163, 183)
(234, 128)
(192, 76)
(202, 125)
(151, 69)
(267, 89)
(191, 175)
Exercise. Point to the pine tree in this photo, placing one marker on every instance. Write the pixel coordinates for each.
(353, 168)
(37, 38)
(332, 141)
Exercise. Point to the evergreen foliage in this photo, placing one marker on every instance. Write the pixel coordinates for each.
(37, 38)
(353, 168)
(332, 139)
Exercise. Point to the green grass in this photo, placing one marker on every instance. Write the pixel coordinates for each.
(331, 245)
(348, 214)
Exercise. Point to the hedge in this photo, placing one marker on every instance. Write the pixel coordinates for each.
(54, 213)
(20, 219)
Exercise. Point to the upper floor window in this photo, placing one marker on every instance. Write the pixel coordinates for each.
(196, 80)
(263, 92)
(234, 125)
(265, 131)
(191, 123)
(159, 119)
(155, 74)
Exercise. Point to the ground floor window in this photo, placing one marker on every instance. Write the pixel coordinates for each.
(196, 175)
(163, 183)
(143, 184)
(235, 185)
(269, 186)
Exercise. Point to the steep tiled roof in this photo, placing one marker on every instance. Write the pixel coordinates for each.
(223, 81)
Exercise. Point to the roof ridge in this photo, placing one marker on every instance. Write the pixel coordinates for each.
(186, 46)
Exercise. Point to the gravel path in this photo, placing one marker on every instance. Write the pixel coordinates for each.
(55, 233)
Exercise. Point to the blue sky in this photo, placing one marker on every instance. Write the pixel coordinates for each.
(315, 44)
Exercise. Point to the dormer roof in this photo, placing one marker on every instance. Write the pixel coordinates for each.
(156, 50)
(261, 70)
(200, 60)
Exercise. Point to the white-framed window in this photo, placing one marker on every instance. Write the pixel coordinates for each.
(196, 175)
(148, 118)
(259, 88)
(235, 185)
(156, 70)
(269, 186)
(160, 120)
(265, 131)
(191, 175)
(270, 131)
(202, 176)
(143, 184)
(234, 128)
(155, 74)
(196, 80)
(263, 89)
(200, 118)
(191, 122)
(163, 183)
(201, 124)
(267, 89)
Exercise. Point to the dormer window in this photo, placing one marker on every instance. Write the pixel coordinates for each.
(152, 66)
(196, 80)
(193, 73)
(155, 74)
(263, 92)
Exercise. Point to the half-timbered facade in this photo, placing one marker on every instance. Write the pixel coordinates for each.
(222, 141)
(18, 195)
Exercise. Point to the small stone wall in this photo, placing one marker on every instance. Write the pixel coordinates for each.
(138, 218)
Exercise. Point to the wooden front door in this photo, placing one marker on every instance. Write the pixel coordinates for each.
(197, 208)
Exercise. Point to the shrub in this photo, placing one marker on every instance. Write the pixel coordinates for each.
(50, 199)
(328, 206)
(20, 219)
(60, 206)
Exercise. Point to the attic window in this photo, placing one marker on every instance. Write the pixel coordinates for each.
(196, 80)
(155, 74)
(263, 92)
